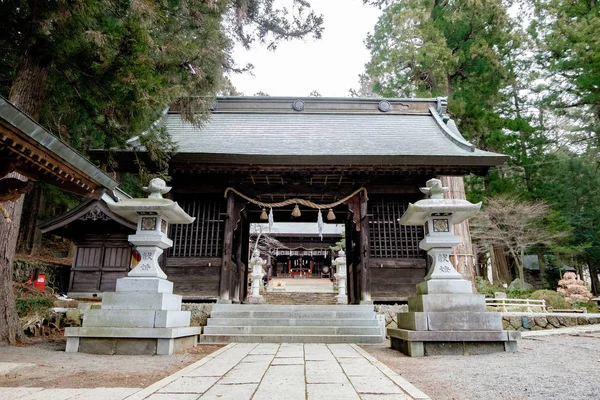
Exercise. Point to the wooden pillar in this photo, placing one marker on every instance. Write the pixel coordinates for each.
(350, 266)
(224, 289)
(365, 252)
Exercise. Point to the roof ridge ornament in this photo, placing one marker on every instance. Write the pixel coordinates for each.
(434, 189)
(384, 106)
(298, 105)
(442, 108)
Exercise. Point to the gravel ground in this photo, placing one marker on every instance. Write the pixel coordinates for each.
(545, 367)
(47, 365)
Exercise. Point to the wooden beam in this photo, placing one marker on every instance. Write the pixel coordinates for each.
(365, 253)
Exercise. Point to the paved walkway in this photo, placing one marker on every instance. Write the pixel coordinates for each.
(244, 371)
(269, 371)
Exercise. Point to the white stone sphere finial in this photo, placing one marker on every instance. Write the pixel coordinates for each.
(434, 189)
(157, 187)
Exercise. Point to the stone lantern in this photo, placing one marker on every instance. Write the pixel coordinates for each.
(257, 264)
(438, 217)
(445, 317)
(142, 316)
(340, 276)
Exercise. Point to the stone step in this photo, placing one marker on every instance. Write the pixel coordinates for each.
(223, 339)
(300, 298)
(291, 322)
(287, 308)
(294, 314)
(267, 323)
(291, 330)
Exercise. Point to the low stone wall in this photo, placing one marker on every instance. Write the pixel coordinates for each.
(200, 312)
(390, 312)
(518, 321)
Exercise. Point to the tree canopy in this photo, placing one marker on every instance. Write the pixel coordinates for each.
(521, 79)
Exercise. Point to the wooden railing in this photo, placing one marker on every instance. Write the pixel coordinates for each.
(528, 304)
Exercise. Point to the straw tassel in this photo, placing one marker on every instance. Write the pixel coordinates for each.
(296, 212)
(263, 214)
(330, 215)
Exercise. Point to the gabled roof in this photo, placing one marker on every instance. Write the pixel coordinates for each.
(88, 211)
(325, 131)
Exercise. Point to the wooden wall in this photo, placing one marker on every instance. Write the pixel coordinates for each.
(194, 278)
(395, 279)
(396, 264)
(99, 262)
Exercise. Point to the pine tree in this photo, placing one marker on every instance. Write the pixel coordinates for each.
(98, 72)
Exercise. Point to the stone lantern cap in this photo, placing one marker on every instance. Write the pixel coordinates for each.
(131, 209)
(457, 210)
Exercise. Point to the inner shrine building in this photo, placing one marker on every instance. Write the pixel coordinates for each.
(369, 155)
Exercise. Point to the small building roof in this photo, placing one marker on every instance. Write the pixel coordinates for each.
(325, 131)
(41, 156)
(73, 223)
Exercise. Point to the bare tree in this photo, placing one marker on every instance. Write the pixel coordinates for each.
(514, 225)
(264, 242)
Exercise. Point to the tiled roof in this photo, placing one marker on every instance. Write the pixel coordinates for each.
(326, 131)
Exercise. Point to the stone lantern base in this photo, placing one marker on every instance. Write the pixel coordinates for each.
(142, 316)
(450, 324)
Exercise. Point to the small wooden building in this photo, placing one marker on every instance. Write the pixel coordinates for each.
(318, 149)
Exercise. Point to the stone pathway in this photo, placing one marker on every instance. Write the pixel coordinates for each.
(270, 371)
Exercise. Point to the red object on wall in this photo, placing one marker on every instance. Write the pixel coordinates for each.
(40, 282)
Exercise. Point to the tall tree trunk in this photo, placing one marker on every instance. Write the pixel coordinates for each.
(593, 267)
(464, 256)
(27, 93)
(502, 267)
(29, 221)
(36, 244)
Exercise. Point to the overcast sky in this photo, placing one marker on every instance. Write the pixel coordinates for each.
(330, 65)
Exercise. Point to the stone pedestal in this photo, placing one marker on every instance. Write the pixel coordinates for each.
(445, 317)
(142, 316)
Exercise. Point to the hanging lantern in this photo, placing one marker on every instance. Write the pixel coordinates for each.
(330, 215)
(263, 214)
(296, 212)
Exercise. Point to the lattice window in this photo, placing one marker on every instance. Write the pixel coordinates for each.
(204, 236)
(389, 239)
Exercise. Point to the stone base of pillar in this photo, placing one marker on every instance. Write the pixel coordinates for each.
(224, 301)
(450, 324)
(142, 317)
(255, 299)
(341, 299)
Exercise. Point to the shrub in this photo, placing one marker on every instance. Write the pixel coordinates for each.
(33, 305)
(573, 289)
(590, 306)
(485, 287)
(553, 299)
